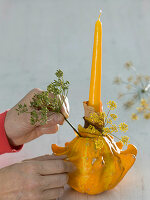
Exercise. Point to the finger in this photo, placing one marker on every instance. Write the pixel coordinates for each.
(54, 181)
(52, 119)
(66, 102)
(55, 118)
(55, 167)
(50, 157)
(65, 106)
(49, 129)
(53, 193)
(28, 97)
(40, 130)
(47, 157)
(54, 157)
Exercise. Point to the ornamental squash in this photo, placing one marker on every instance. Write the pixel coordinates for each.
(98, 169)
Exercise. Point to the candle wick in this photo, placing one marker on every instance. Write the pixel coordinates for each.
(100, 14)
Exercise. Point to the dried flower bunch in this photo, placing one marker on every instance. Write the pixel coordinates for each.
(137, 92)
(47, 102)
(102, 124)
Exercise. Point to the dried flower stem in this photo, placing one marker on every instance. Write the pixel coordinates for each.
(72, 126)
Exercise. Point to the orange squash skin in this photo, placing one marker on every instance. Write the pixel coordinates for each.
(97, 170)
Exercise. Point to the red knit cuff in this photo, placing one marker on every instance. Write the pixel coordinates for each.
(5, 147)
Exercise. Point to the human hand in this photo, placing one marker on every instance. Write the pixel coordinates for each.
(19, 129)
(41, 178)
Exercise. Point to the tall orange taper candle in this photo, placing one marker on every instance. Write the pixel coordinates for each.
(95, 83)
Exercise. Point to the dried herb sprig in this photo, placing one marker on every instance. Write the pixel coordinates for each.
(103, 124)
(137, 92)
(107, 121)
(47, 102)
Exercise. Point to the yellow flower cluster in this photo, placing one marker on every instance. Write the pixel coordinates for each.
(144, 104)
(128, 65)
(106, 125)
(134, 116)
(97, 118)
(140, 109)
(147, 115)
(113, 116)
(108, 121)
(114, 128)
(147, 78)
(130, 78)
(117, 80)
(123, 127)
(125, 140)
(91, 129)
(106, 131)
(99, 143)
(144, 108)
(112, 105)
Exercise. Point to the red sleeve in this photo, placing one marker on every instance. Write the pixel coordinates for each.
(5, 147)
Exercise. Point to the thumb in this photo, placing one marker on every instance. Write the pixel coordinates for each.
(65, 106)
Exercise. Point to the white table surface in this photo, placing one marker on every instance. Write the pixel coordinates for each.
(39, 36)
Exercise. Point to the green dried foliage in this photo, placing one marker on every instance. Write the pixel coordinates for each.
(47, 102)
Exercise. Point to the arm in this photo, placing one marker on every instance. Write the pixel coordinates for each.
(5, 146)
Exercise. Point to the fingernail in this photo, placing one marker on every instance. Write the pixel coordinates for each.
(67, 105)
(65, 113)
